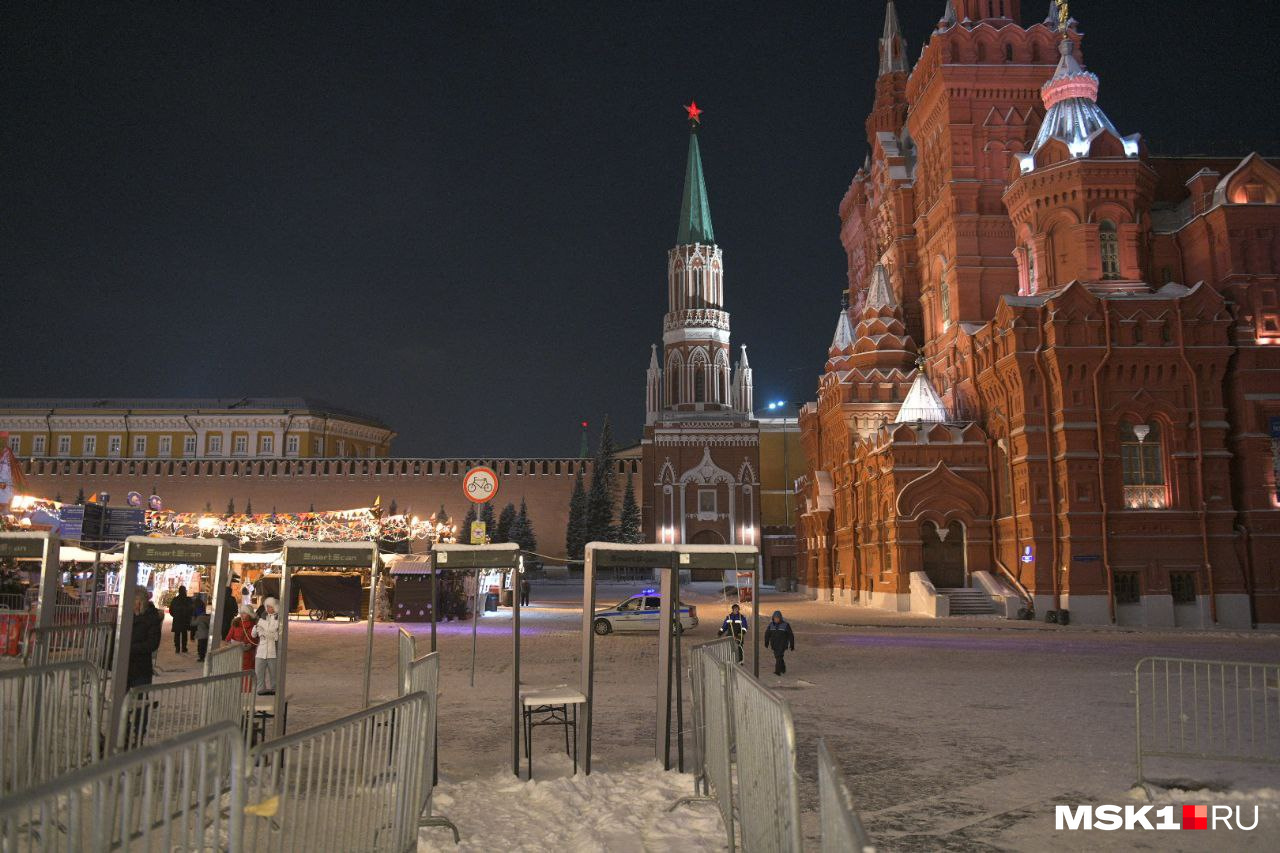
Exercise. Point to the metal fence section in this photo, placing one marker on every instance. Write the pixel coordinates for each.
(406, 649)
(228, 657)
(716, 750)
(721, 650)
(60, 643)
(353, 784)
(765, 746)
(1207, 709)
(156, 712)
(842, 831)
(422, 675)
(51, 723)
(169, 796)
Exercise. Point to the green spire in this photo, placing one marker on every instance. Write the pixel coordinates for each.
(695, 210)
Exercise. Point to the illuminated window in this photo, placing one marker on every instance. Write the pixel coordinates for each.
(215, 445)
(113, 445)
(241, 445)
(37, 446)
(291, 445)
(90, 445)
(139, 445)
(64, 445)
(1141, 457)
(165, 446)
(188, 445)
(268, 444)
(1109, 247)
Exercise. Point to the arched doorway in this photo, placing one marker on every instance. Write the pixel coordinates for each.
(943, 554)
(706, 537)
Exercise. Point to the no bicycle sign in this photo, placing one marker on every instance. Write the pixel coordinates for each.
(480, 484)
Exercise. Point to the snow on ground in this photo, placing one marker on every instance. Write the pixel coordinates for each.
(956, 734)
(621, 810)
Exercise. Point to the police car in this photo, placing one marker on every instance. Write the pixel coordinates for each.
(640, 613)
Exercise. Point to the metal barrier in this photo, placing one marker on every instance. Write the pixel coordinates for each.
(406, 649)
(62, 643)
(51, 723)
(715, 751)
(14, 601)
(422, 675)
(1207, 709)
(842, 831)
(353, 784)
(169, 796)
(721, 650)
(228, 657)
(155, 712)
(765, 746)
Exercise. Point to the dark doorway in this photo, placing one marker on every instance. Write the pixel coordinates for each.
(706, 537)
(944, 554)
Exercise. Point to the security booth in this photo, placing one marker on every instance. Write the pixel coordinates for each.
(300, 554)
(41, 546)
(165, 550)
(669, 561)
(476, 559)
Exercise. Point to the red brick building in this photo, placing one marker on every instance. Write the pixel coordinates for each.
(1093, 430)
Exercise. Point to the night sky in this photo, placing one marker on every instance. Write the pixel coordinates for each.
(455, 216)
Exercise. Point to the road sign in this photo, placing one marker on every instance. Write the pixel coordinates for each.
(480, 484)
(477, 532)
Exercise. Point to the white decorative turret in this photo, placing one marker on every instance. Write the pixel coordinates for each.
(653, 387)
(743, 388)
(893, 47)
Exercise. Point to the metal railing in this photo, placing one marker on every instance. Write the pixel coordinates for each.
(765, 747)
(709, 678)
(51, 723)
(842, 831)
(14, 601)
(422, 675)
(1206, 709)
(156, 712)
(228, 657)
(60, 643)
(721, 650)
(169, 796)
(353, 784)
(406, 650)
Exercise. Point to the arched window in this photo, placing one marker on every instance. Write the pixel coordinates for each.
(1142, 459)
(1109, 247)
(1031, 269)
(1008, 51)
(699, 383)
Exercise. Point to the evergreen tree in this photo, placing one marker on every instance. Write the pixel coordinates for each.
(80, 496)
(248, 507)
(629, 519)
(442, 517)
(575, 533)
(505, 519)
(490, 523)
(208, 506)
(391, 510)
(231, 507)
(599, 527)
(522, 529)
(464, 529)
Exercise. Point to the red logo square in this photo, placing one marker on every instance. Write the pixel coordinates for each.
(1195, 817)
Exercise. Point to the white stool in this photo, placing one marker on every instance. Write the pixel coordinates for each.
(553, 704)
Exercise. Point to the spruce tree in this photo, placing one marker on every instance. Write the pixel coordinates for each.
(231, 507)
(248, 507)
(505, 519)
(442, 517)
(522, 529)
(490, 523)
(575, 532)
(80, 496)
(629, 519)
(208, 506)
(599, 527)
(391, 510)
(464, 529)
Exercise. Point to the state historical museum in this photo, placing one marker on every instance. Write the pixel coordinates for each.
(1055, 387)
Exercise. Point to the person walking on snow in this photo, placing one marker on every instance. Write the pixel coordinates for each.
(267, 633)
(735, 624)
(181, 609)
(778, 637)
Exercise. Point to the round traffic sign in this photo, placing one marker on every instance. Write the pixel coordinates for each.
(480, 484)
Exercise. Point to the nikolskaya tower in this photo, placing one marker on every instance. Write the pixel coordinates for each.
(701, 442)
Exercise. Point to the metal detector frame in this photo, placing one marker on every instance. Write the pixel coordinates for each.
(42, 545)
(671, 559)
(167, 550)
(304, 553)
(452, 557)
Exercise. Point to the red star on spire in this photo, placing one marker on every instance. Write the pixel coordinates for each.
(695, 114)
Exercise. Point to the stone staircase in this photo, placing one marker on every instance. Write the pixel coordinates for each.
(969, 601)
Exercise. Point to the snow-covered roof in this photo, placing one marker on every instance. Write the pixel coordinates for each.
(922, 403)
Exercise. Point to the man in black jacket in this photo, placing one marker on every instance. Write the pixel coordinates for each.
(181, 609)
(778, 638)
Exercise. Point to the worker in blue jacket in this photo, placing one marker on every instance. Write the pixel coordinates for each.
(735, 624)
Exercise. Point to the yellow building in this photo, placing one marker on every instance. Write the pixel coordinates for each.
(781, 462)
(247, 428)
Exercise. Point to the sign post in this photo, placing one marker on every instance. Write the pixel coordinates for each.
(480, 484)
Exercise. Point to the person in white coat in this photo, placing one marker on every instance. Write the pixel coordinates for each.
(267, 632)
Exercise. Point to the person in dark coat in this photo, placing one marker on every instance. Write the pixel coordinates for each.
(147, 629)
(229, 611)
(198, 609)
(181, 609)
(778, 638)
(735, 625)
(525, 589)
